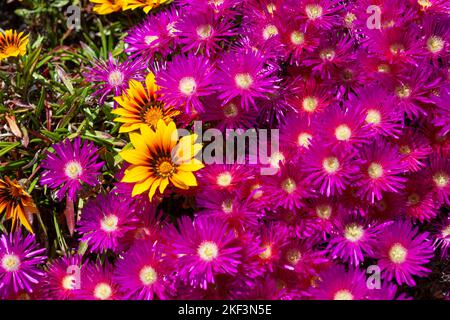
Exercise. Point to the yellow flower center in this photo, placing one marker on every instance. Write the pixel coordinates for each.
(23, 296)
(343, 295)
(116, 78)
(330, 164)
(310, 104)
(259, 193)
(398, 253)
(397, 48)
(435, 44)
(224, 179)
(323, 211)
(271, 8)
(349, 18)
(383, 68)
(343, 132)
(440, 179)
(208, 251)
(243, 80)
(204, 31)
(148, 275)
(187, 86)
(353, 232)
(10, 262)
(413, 199)
(227, 206)
(269, 31)
(102, 291)
(289, 185)
(73, 169)
(109, 223)
(149, 39)
(425, 3)
(405, 149)
(373, 116)
(165, 168)
(275, 159)
(152, 115)
(375, 170)
(297, 38)
(293, 256)
(313, 11)
(327, 54)
(171, 28)
(403, 91)
(304, 139)
(68, 282)
(446, 232)
(11, 50)
(230, 110)
(267, 253)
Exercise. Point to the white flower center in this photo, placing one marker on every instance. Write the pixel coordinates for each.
(102, 291)
(10, 262)
(327, 54)
(227, 206)
(150, 39)
(373, 116)
(68, 282)
(313, 11)
(323, 211)
(224, 179)
(289, 185)
(446, 231)
(398, 253)
(297, 38)
(73, 169)
(109, 223)
(204, 31)
(293, 256)
(148, 275)
(116, 78)
(403, 91)
(304, 139)
(208, 251)
(269, 31)
(331, 164)
(440, 179)
(310, 104)
(343, 132)
(435, 44)
(267, 253)
(375, 170)
(187, 86)
(353, 232)
(343, 295)
(243, 80)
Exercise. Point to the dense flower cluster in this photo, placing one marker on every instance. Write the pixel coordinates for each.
(361, 178)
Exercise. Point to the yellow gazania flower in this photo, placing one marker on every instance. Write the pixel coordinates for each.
(12, 44)
(160, 157)
(107, 6)
(146, 5)
(141, 107)
(17, 202)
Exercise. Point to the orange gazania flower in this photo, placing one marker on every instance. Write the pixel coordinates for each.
(107, 6)
(146, 5)
(13, 44)
(159, 158)
(142, 107)
(17, 202)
